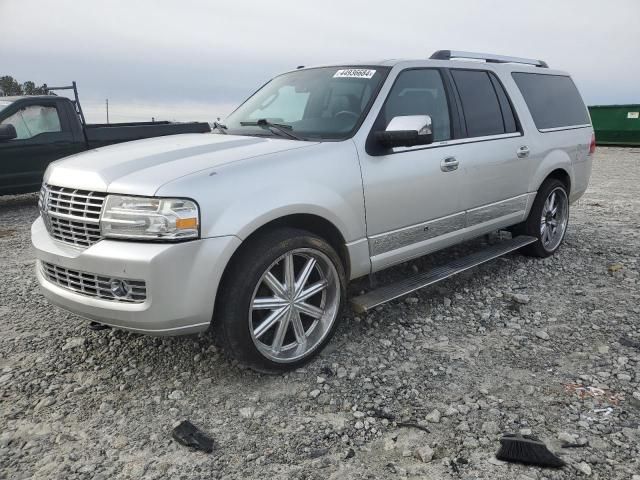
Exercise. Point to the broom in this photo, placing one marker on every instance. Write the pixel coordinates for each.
(527, 449)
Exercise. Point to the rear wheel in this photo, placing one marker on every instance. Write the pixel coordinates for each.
(548, 219)
(281, 301)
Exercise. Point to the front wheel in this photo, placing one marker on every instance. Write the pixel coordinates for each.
(548, 219)
(281, 300)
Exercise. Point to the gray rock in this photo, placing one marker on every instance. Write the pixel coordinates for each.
(520, 298)
(464, 409)
(491, 428)
(176, 395)
(247, 412)
(450, 411)
(424, 454)
(566, 437)
(74, 342)
(583, 468)
(45, 402)
(433, 416)
(542, 335)
(463, 427)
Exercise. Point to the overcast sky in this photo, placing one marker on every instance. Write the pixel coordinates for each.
(191, 59)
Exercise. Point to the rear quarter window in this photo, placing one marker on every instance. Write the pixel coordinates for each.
(553, 100)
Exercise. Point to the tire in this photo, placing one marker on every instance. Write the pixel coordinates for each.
(547, 227)
(258, 307)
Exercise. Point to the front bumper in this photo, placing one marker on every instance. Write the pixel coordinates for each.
(181, 280)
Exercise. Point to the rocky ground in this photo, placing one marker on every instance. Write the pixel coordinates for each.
(420, 388)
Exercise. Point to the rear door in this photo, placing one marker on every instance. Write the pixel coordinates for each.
(493, 154)
(43, 136)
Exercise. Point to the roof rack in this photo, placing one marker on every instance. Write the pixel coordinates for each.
(75, 102)
(487, 57)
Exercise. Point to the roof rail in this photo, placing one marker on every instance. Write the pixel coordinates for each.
(487, 57)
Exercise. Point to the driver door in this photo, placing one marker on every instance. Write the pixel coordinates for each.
(41, 139)
(412, 196)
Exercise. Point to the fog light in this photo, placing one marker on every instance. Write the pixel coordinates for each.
(120, 288)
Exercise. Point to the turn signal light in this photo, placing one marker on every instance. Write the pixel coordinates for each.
(186, 223)
(592, 147)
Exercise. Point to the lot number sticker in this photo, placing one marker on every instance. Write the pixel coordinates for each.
(354, 73)
(633, 114)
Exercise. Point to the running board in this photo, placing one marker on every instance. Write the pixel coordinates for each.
(415, 282)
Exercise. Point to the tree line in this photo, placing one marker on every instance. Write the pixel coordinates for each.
(11, 86)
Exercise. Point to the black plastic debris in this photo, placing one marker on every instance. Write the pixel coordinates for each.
(98, 326)
(527, 449)
(189, 435)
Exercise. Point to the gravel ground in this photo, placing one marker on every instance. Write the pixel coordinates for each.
(419, 388)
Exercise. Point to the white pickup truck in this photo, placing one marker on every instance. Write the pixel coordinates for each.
(324, 175)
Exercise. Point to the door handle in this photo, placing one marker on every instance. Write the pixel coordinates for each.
(449, 164)
(523, 151)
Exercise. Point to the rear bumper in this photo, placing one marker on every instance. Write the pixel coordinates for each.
(181, 279)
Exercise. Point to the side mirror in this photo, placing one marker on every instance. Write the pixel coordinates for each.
(7, 132)
(407, 131)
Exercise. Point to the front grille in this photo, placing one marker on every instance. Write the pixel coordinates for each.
(71, 216)
(93, 285)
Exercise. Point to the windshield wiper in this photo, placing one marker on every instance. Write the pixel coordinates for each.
(283, 128)
(220, 127)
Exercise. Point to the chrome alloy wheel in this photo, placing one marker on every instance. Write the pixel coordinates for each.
(553, 223)
(294, 305)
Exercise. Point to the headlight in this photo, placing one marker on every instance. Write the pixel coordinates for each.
(149, 218)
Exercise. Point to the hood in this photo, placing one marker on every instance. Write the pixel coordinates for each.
(143, 166)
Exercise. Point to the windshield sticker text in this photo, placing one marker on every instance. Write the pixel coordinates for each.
(354, 73)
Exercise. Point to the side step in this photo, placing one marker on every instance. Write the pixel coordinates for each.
(415, 282)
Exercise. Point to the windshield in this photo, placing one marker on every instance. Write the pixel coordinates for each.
(319, 103)
(4, 104)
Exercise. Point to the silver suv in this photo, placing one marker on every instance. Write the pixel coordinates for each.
(324, 175)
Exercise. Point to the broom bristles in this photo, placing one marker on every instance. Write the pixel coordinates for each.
(528, 450)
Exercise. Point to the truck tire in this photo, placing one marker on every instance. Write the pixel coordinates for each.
(547, 220)
(281, 300)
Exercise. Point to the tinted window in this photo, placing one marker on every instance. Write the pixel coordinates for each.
(420, 92)
(510, 124)
(480, 103)
(34, 120)
(553, 100)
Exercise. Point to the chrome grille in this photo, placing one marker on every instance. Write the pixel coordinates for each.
(71, 216)
(93, 285)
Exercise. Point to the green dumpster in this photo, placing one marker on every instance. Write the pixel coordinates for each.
(616, 124)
